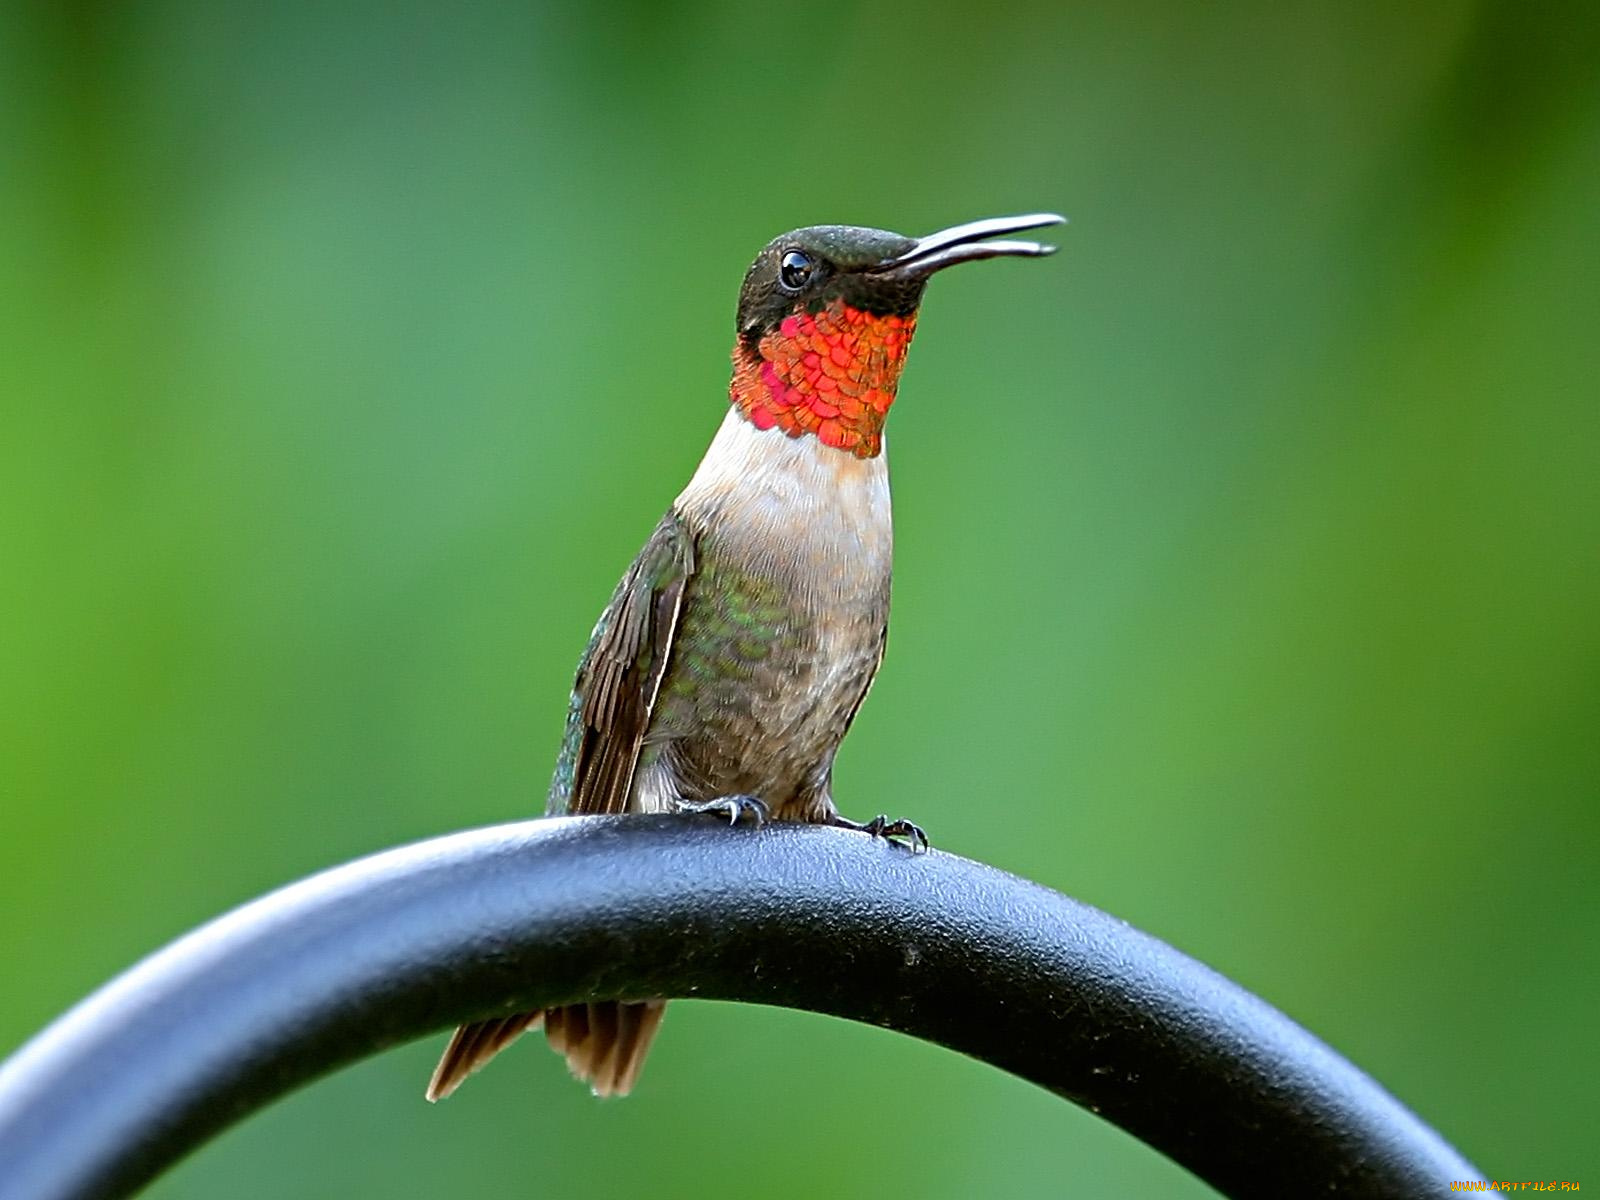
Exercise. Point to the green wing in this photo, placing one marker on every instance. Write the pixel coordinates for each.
(619, 677)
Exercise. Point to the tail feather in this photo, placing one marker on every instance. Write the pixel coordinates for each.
(473, 1046)
(604, 1043)
(591, 1059)
(635, 1032)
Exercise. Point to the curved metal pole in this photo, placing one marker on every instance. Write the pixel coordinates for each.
(398, 945)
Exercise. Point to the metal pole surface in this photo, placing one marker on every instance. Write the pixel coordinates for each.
(408, 942)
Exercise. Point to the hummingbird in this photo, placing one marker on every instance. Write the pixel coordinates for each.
(741, 642)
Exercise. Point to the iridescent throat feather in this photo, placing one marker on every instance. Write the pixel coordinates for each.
(832, 373)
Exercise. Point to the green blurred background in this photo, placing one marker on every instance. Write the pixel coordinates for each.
(1248, 573)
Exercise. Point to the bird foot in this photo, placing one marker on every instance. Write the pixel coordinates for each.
(735, 808)
(895, 831)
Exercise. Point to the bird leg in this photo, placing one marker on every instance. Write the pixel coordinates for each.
(882, 826)
(735, 808)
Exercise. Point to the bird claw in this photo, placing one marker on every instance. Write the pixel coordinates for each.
(893, 831)
(735, 808)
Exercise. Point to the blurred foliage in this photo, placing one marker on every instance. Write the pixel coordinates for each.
(1248, 575)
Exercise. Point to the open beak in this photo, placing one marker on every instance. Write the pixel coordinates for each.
(965, 243)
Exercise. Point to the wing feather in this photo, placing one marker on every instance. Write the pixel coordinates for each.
(621, 675)
(612, 700)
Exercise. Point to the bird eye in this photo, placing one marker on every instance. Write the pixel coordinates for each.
(795, 271)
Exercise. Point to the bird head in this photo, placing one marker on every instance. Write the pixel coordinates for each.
(826, 315)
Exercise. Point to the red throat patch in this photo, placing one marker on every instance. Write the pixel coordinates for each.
(832, 373)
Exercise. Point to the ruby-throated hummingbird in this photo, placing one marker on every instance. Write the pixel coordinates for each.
(740, 643)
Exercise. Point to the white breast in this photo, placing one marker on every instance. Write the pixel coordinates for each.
(796, 509)
(815, 520)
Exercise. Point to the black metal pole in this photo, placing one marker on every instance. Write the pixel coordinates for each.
(392, 947)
